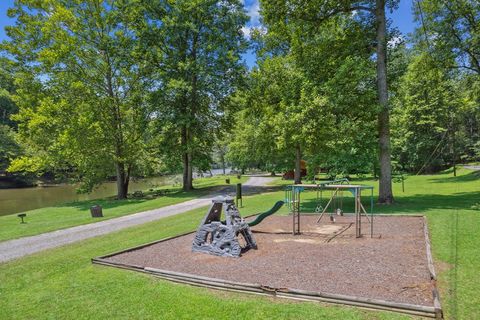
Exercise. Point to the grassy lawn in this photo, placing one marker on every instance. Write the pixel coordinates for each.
(78, 213)
(63, 284)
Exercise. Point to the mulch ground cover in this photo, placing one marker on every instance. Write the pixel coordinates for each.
(326, 258)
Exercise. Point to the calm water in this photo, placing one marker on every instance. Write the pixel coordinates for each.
(23, 199)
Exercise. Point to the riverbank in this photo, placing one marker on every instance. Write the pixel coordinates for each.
(78, 213)
(62, 283)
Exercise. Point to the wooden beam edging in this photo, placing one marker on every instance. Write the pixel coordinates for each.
(141, 246)
(369, 306)
(100, 258)
(431, 268)
(226, 285)
(406, 215)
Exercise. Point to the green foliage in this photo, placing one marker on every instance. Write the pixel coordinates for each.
(452, 31)
(81, 89)
(284, 111)
(425, 116)
(315, 88)
(195, 48)
(8, 147)
(7, 88)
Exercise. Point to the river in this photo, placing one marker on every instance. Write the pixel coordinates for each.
(17, 200)
(22, 199)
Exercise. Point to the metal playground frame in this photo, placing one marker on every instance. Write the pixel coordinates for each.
(293, 201)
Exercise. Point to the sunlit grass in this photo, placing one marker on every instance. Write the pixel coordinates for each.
(78, 213)
(63, 284)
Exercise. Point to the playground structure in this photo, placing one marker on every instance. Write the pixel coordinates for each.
(336, 187)
(398, 279)
(225, 238)
(301, 266)
(305, 266)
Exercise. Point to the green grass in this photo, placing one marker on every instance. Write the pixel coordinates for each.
(63, 284)
(78, 213)
(454, 230)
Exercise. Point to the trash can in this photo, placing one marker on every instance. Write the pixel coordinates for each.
(96, 211)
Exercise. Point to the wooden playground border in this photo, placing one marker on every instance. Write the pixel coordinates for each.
(296, 294)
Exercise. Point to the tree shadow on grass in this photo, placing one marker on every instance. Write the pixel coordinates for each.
(111, 202)
(408, 204)
(472, 176)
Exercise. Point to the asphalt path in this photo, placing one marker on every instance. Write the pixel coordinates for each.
(17, 248)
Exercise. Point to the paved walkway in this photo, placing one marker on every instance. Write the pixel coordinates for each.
(17, 248)
(476, 168)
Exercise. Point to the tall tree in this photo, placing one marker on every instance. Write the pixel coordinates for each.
(9, 148)
(428, 105)
(7, 89)
(313, 14)
(449, 32)
(452, 31)
(285, 120)
(87, 114)
(195, 48)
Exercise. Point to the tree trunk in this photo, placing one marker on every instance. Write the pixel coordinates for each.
(186, 158)
(298, 170)
(189, 172)
(454, 154)
(385, 183)
(122, 181)
(223, 162)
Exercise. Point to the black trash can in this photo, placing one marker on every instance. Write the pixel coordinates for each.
(96, 211)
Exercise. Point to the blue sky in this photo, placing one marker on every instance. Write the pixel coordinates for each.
(401, 18)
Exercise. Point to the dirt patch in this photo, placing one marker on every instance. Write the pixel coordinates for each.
(326, 257)
(441, 267)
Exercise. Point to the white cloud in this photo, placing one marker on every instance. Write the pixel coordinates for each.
(247, 31)
(395, 41)
(253, 11)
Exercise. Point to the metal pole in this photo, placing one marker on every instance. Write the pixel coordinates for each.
(294, 208)
(359, 191)
(238, 197)
(298, 215)
(371, 214)
(357, 218)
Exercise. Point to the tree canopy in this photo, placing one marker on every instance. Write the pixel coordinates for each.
(101, 89)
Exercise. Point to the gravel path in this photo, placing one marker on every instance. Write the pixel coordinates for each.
(258, 181)
(13, 249)
(476, 168)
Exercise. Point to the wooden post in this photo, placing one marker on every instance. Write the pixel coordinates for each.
(295, 211)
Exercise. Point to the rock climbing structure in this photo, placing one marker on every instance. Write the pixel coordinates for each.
(223, 238)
